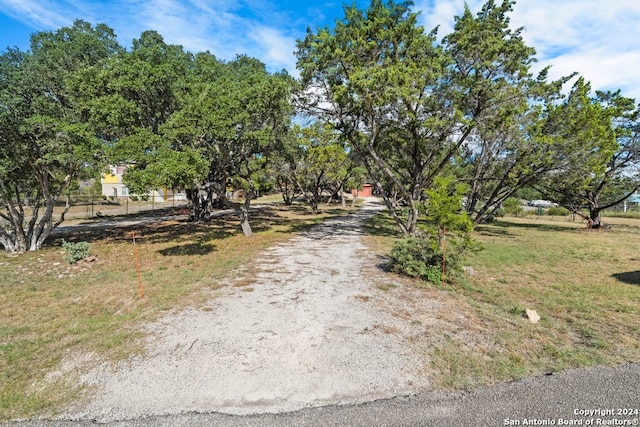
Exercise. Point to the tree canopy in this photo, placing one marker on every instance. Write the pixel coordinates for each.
(600, 137)
(45, 141)
(409, 105)
(382, 95)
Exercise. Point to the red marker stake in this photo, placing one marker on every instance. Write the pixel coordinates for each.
(444, 253)
(135, 253)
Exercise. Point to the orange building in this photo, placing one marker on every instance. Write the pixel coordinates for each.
(365, 191)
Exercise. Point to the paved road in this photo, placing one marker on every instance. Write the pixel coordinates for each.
(595, 396)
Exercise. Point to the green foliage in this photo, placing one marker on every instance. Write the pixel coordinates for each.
(415, 256)
(498, 213)
(512, 206)
(446, 234)
(47, 141)
(557, 211)
(444, 206)
(434, 274)
(316, 161)
(421, 256)
(599, 133)
(409, 105)
(401, 105)
(75, 252)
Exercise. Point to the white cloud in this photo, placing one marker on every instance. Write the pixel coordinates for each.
(593, 37)
(201, 25)
(597, 39)
(36, 13)
(441, 13)
(276, 49)
(176, 21)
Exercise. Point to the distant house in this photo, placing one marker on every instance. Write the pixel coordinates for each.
(113, 187)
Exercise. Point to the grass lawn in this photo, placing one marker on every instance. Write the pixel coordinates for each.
(49, 309)
(584, 284)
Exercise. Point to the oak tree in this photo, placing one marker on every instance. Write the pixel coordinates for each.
(45, 141)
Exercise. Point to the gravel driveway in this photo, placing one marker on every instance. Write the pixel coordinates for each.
(303, 331)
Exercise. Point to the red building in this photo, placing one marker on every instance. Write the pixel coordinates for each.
(365, 191)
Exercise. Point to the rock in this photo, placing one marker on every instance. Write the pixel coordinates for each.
(469, 270)
(532, 315)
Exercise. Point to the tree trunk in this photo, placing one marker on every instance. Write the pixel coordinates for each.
(18, 239)
(595, 217)
(242, 210)
(287, 190)
(243, 214)
(412, 220)
(313, 202)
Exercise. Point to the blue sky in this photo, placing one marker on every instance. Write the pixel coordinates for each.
(596, 38)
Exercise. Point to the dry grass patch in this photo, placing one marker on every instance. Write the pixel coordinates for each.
(584, 284)
(50, 309)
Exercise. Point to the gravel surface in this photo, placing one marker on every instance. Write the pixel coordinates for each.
(304, 331)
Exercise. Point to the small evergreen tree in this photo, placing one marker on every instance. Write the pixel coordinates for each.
(444, 238)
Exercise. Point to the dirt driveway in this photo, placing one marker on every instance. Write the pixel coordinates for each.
(306, 329)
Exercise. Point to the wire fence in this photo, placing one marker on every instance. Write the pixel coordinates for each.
(87, 206)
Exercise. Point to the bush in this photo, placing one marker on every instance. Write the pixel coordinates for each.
(413, 256)
(434, 274)
(512, 206)
(133, 198)
(76, 251)
(557, 211)
(447, 229)
(498, 213)
(421, 256)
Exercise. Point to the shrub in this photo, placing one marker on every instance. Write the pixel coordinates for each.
(557, 211)
(75, 251)
(434, 274)
(447, 229)
(512, 206)
(498, 213)
(421, 256)
(413, 256)
(133, 198)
